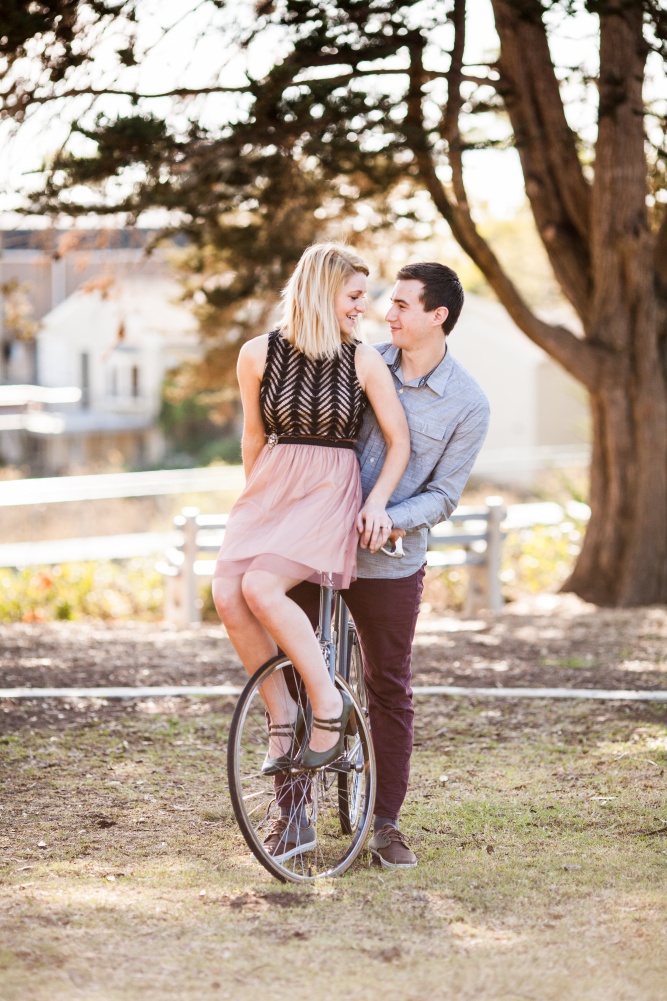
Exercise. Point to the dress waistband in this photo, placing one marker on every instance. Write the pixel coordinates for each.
(298, 439)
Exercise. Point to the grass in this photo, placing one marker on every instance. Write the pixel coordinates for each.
(570, 662)
(541, 875)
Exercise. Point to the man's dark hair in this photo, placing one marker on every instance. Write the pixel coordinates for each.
(441, 288)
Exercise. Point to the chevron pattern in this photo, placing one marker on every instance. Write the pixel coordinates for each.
(302, 396)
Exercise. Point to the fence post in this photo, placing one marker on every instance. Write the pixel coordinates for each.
(496, 515)
(190, 589)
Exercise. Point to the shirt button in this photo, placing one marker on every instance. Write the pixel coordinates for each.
(372, 460)
(400, 391)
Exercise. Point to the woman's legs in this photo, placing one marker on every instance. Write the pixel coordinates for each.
(249, 637)
(259, 618)
(254, 647)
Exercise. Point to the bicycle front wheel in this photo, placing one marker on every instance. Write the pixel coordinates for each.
(306, 804)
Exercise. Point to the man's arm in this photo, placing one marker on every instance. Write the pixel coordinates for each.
(444, 489)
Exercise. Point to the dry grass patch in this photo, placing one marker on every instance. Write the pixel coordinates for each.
(542, 865)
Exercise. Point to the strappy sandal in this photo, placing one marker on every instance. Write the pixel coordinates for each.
(342, 725)
(294, 730)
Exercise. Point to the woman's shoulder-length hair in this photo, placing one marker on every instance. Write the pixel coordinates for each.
(308, 320)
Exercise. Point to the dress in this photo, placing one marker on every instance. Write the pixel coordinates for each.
(297, 514)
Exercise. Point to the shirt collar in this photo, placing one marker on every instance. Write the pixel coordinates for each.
(437, 379)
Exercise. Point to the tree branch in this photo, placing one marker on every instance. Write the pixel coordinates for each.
(582, 360)
(450, 118)
(620, 229)
(558, 192)
(135, 95)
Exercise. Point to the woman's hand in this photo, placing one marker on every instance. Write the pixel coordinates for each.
(373, 525)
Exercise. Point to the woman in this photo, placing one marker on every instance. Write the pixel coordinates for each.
(303, 389)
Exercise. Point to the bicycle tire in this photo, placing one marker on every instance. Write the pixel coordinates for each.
(254, 795)
(349, 786)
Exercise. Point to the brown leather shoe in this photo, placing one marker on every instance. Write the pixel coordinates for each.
(286, 840)
(390, 849)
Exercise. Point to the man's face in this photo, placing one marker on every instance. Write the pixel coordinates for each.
(411, 326)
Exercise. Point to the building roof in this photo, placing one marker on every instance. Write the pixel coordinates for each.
(147, 304)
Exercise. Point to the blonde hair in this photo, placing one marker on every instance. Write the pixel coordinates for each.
(308, 320)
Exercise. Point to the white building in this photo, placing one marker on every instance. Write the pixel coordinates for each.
(114, 343)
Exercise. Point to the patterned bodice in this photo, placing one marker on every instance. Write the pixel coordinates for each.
(302, 396)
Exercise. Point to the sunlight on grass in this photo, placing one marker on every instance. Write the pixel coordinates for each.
(532, 825)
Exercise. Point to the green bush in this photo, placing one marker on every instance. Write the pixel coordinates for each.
(226, 449)
(540, 558)
(131, 590)
(534, 560)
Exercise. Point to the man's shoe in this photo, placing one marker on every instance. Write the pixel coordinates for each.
(390, 849)
(286, 840)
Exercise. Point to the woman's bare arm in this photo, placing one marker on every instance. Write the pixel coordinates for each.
(378, 385)
(249, 370)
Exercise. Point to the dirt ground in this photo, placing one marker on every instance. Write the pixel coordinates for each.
(540, 827)
(554, 641)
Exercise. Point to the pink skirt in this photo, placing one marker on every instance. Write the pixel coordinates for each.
(296, 516)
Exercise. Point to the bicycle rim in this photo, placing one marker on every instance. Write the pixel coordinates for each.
(328, 849)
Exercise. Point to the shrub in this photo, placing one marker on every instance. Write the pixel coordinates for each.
(109, 590)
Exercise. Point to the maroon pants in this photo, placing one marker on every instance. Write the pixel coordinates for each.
(385, 614)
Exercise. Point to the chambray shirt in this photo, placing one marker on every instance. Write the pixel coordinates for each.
(448, 416)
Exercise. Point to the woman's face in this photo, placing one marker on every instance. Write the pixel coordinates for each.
(350, 303)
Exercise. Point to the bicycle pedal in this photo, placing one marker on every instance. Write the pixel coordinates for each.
(340, 765)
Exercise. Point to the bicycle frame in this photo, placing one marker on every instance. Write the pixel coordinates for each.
(333, 625)
(334, 621)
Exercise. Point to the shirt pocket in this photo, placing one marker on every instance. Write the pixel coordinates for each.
(426, 438)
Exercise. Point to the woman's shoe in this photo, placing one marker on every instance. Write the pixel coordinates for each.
(294, 730)
(342, 725)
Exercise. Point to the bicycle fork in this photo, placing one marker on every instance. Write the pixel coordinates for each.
(325, 636)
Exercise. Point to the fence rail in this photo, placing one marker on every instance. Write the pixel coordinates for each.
(92, 549)
(113, 486)
(122, 547)
(472, 536)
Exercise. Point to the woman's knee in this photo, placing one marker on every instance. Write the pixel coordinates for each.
(228, 597)
(259, 592)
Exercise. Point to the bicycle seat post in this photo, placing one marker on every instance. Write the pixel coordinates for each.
(326, 642)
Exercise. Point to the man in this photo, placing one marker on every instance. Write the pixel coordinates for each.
(448, 417)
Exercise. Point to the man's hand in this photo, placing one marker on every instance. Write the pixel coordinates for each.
(374, 526)
(396, 533)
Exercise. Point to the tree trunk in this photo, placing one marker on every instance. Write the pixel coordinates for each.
(623, 561)
(624, 558)
(614, 281)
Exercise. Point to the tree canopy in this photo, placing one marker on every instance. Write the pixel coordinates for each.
(316, 111)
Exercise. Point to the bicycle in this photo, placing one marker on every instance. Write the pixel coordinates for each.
(337, 799)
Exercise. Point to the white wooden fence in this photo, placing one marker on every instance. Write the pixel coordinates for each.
(109, 486)
(472, 536)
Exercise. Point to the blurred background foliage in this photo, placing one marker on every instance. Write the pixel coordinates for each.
(534, 560)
